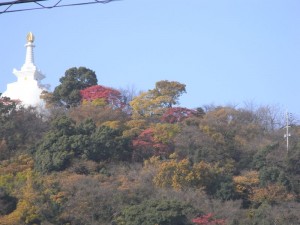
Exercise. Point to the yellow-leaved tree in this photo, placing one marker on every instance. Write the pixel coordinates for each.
(182, 174)
(155, 102)
(27, 211)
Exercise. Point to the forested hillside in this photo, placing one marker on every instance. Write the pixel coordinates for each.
(97, 155)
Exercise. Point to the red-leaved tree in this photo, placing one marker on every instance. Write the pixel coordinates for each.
(145, 146)
(109, 95)
(208, 220)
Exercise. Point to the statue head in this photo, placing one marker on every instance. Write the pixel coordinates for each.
(30, 37)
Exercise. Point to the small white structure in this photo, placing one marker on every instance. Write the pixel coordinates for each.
(28, 88)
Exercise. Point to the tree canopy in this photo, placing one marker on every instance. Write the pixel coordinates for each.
(112, 159)
(155, 102)
(75, 79)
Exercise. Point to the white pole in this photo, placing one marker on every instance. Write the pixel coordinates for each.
(287, 135)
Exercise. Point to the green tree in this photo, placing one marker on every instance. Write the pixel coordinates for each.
(7, 203)
(74, 80)
(7, 105)
(55, 150)
(108, 143)
(67, 140)
(160, 212)
(19, 127)
(224, 134)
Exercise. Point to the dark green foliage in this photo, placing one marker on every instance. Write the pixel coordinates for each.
(87, 127)
(274, 169)
(7, 203)
(161, 212)
(221, 135)
(63, 125)
(6, 106)
(286, 214)
(108, 143)
(55, 151)
(293, 170)
(226, 191)
(19, 127)
(74, 80)
(273, 174)
(259, 159)
(66, 140)
(293, 160)
(220, 186)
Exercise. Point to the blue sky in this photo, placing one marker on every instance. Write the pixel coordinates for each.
(226, 52)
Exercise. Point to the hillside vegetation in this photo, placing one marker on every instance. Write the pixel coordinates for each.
(98, 155)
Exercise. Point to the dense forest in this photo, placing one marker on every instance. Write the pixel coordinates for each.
(98, 155)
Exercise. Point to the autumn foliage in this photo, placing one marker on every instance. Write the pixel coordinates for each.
(146, 146)
(177, 114)
(95, 158)
(208, 220)
(109, 96)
